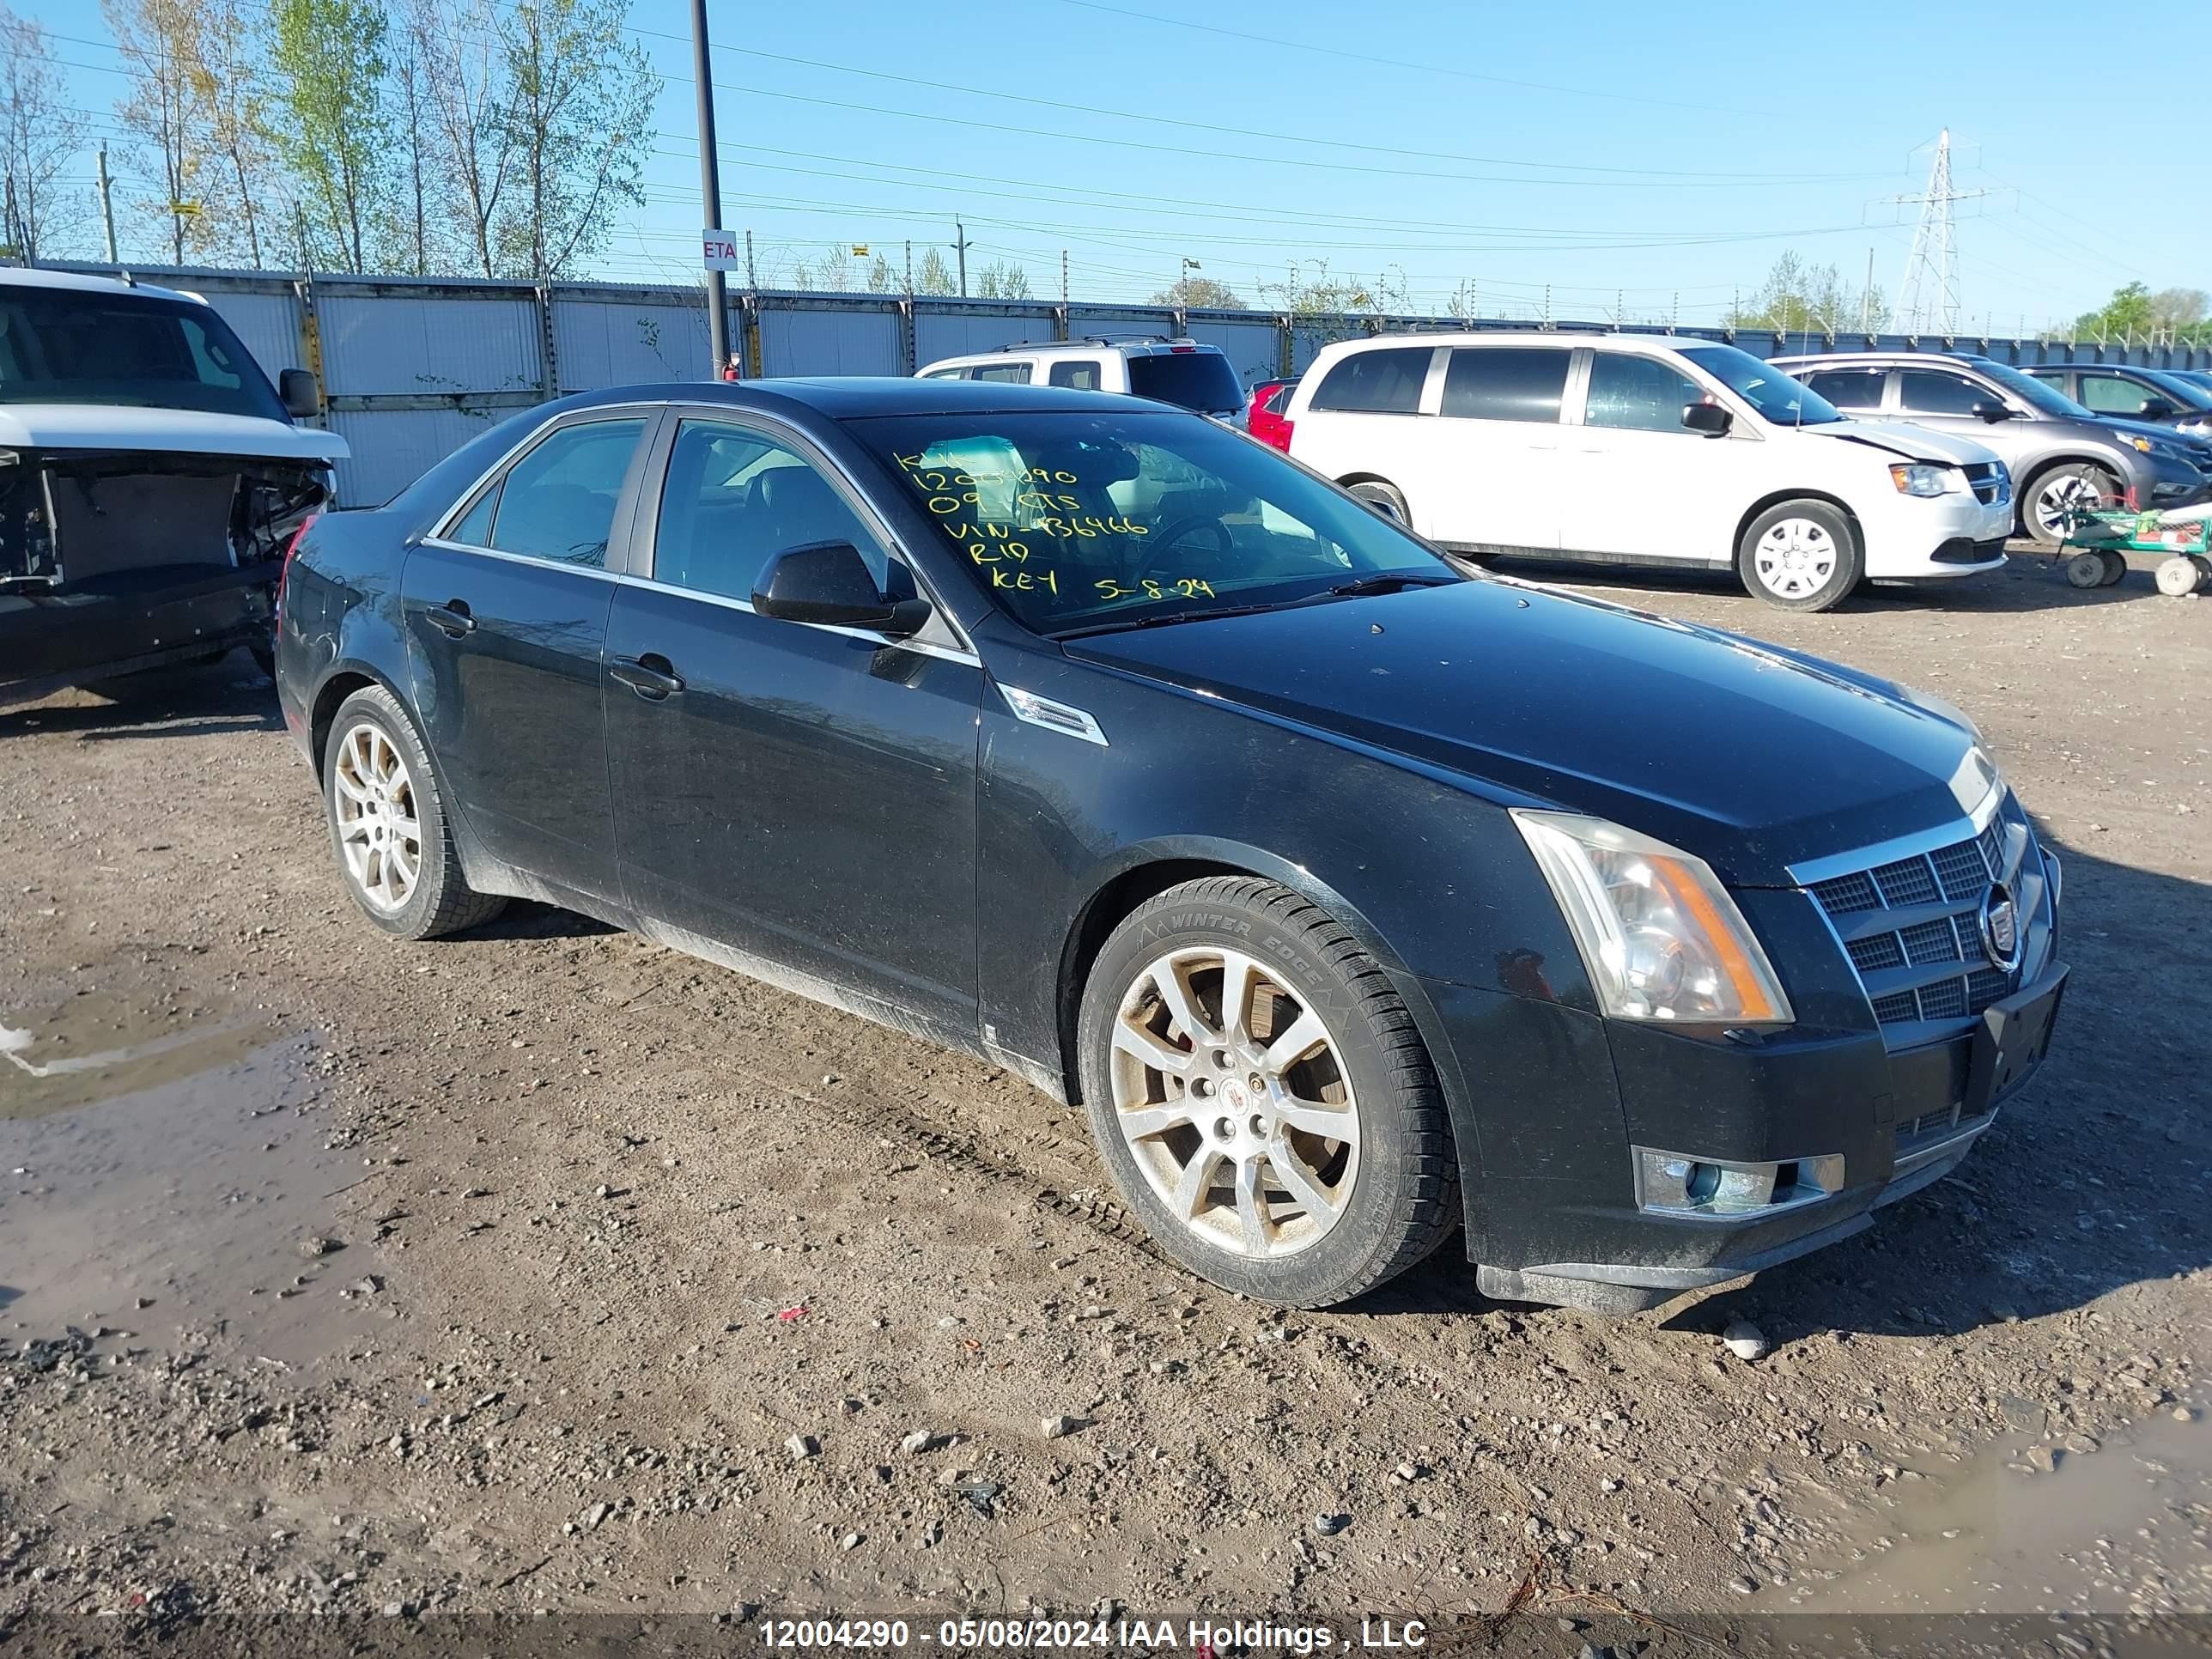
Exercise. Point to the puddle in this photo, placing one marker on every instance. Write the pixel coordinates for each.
(96, 1047)
(2125, 1529)
(157, 1176)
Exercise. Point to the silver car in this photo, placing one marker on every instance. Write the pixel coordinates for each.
(2063, 456)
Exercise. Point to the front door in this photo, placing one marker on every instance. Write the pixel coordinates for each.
(802, 796)
(506, 614)
(1645, 485)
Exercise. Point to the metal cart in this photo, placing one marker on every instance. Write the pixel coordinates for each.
(2099, 540)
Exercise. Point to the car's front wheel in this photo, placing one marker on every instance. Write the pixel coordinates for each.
(1801, 555)
(388, 824)
(1261, 1096)
(2056, 502)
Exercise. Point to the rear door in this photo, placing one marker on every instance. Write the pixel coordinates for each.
(506, 616)
(1363, 421)
(1494, 448)
(802, 797)
(1639, 484)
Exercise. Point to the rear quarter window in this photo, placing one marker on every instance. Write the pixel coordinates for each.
(1199, 380)
(1384, 382)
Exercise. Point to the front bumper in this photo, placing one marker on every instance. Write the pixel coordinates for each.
(1553, 1210)
(1937, 540)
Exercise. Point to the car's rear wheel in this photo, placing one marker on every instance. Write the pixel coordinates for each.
(1261, 1096)
(1384, 498)
(1801, 554)
(2053, 501)
(388, 824)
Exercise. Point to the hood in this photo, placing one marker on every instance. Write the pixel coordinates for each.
(1751, 757)
(182, 431)
(1906, 442)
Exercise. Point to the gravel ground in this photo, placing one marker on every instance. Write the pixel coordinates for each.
(547, 1269)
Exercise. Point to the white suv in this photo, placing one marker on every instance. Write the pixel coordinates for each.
(1644, 450)
(1180, 371)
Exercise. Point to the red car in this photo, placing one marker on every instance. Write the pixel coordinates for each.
(1264, 414)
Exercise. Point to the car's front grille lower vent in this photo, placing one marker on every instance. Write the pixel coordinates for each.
(1912, 926)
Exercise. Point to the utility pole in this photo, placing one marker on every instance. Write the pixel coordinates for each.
(710, 193)
(1063, 276)
(106, 207)
(960, 246)
(909, 268)
(752, 282)
(1866, 298)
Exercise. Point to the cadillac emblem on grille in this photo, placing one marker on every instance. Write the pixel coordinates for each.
(2001, 928)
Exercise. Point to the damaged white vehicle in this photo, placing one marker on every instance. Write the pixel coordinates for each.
(151, 480)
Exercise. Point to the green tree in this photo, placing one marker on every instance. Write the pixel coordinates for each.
(578, 107)
(2127, 314)
(1324, 308)
(331, 121)
(1003, 279)
(881, 279)
(932, 275)
(228, 80)
(1203, 293)
(1799, 297)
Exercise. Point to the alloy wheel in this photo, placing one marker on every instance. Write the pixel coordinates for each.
(1794, 558)
(1230, 1093)
(380, 832)
(2058, 501)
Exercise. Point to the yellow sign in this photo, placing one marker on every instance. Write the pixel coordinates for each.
(185, 209)
(859, 250)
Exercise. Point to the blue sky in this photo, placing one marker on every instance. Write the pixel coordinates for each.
(1622, 154)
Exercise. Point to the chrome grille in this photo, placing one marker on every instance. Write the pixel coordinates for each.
(1991, 482)
(1912, 926)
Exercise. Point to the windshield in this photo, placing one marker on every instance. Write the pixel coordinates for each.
(2036, 394)
(62, 346)
(1081, 521)
(1194, 379)
(1777, 397)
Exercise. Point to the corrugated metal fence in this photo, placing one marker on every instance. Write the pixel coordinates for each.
(414, 366)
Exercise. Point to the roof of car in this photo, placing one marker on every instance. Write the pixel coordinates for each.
(1563, 337)
(19, 277)
(844, 397)
(1851, 359)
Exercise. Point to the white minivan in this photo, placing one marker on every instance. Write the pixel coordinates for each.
(1632, 449)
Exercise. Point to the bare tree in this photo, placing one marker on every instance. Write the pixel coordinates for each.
(40, 133)
(579, 113)
(225, 74)
(163, 117)
(410, 107)
(329, 123)
(463, 64)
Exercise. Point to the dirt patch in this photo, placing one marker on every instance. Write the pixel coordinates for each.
(621, 1230)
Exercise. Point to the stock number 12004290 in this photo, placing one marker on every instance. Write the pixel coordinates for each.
(831, 1633)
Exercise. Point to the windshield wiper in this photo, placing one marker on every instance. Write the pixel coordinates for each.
(1388, 581)
(1163, 618)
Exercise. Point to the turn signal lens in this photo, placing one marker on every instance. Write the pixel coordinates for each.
(1659, 935)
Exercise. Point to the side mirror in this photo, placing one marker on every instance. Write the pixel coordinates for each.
(1990, 410)
(303, 398)
(829, 583)
(1710, 419)
(2156, 409)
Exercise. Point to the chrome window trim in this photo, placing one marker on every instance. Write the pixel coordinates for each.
(1813, 871)
(923, 647)
(467, 498)
(598, 570)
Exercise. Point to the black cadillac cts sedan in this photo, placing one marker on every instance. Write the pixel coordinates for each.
(1356, 899)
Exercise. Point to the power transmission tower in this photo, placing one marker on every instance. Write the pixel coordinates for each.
(1927, 302)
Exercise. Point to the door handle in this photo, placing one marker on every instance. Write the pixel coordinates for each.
(651, 678)
(451, 618)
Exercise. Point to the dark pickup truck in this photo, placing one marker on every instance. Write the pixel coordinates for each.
(150, 479)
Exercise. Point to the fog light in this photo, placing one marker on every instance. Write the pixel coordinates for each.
(1670, 1184)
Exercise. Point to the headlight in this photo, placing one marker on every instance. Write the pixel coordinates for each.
(1659, 935)
(1914, 479)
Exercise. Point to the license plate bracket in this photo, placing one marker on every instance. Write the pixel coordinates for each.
(2011, 1041)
